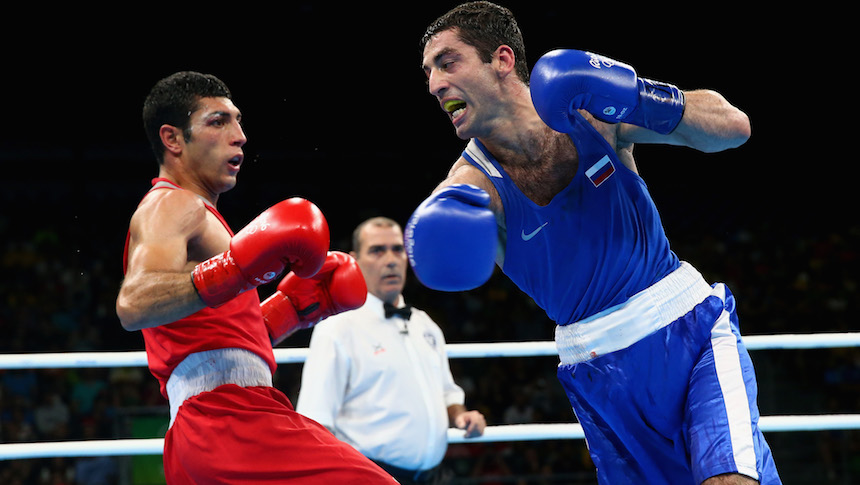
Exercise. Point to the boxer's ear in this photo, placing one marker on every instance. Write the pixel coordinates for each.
(171, 138)
(504, 60)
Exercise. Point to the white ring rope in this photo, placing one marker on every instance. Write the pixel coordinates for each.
(518, 432)
(492, 434)
(455, 351)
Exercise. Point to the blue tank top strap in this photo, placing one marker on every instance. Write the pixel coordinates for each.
(598, 242)
(478, 156)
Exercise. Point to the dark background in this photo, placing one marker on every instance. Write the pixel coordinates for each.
(336, 107)
(336, 110)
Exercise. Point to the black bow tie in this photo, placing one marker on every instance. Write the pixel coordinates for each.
(391, 311)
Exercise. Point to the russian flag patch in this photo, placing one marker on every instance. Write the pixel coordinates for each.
(600, 171)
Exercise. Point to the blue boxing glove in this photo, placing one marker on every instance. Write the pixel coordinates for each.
(565, 80)
(451, 239)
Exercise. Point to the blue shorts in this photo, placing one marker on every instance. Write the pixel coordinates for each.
(677, 406)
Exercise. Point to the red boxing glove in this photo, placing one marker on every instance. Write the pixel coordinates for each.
(301, 303)
(292, 233)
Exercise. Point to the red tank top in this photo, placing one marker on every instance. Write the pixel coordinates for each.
(236, 324)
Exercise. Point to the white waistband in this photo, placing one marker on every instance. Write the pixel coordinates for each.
(641, 315)
(204, 371)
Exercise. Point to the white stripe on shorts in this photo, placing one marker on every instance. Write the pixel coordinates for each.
(730, 376)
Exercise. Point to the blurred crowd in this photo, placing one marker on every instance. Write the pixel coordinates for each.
(59, 285)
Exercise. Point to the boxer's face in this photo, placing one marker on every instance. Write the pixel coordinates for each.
(214, 149)
(382, 259)
(467, 88)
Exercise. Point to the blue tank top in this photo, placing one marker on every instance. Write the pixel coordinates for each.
(597, 243)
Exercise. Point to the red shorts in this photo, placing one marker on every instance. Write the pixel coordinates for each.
(253, 435)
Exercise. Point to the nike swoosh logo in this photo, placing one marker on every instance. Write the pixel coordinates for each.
(532, 234)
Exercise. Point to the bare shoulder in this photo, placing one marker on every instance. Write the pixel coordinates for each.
(173, 230)
(169, 212)
(463, 172)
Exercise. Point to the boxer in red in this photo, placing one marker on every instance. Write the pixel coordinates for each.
(191, 287)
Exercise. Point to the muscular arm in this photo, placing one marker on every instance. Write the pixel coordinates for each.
(157, 288)
(710, 124)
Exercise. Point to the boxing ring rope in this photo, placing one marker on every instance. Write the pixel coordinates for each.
(510, 432)
(518, 432)
(455, 351)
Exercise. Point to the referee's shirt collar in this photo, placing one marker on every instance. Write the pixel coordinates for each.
(375, 304)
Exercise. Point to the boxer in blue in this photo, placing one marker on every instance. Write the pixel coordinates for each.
(547, 188)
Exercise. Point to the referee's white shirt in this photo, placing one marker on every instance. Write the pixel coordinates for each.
(381, 385)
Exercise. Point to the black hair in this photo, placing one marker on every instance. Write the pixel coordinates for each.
(485, 26)
(172, 100)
